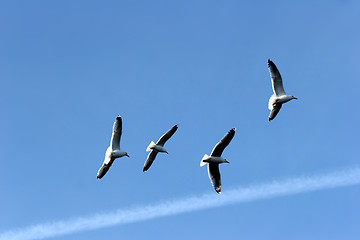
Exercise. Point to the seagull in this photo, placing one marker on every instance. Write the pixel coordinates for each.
(215, 159)
(158, 147)
(113, 151)
(279, 97)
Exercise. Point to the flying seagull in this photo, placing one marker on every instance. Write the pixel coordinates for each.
(113, 151)
(279, 97)
(215, 159)
(158, 147)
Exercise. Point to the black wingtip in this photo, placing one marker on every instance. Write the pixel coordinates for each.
(232, 131)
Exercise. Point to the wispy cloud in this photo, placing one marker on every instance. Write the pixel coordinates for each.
(167, 208)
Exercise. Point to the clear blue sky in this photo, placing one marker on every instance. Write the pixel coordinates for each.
(67, 68)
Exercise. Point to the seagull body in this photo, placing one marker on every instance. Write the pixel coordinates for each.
(279, 97)
(212, 159)
(153, 146)
(113, 151)
(215, 159)
(158, 147)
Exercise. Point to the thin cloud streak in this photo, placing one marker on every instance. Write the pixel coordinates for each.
(167, 208)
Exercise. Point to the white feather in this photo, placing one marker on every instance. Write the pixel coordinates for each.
(202, 163)
(272, 101)
(151, 145)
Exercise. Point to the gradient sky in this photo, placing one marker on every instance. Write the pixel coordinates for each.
(67, 68)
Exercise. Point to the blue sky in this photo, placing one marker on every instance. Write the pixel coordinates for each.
(67, 68)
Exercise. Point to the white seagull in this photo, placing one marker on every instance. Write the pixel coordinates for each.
(113, 151)
(215, 159)
(158, 147)
(279, 97)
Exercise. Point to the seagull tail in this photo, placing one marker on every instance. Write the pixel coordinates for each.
(202, 163)
(151, 145)
(271, 102)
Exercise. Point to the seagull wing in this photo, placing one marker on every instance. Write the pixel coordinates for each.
(274, 111)
(103, 170)
(167, 135)
(150, 159)
(214, 175)
(220, 146)
(116, 135)
(276, 79)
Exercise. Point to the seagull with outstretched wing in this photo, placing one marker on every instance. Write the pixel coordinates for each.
(158, 147)
(113, 151)
(279, 97)
(215, 159)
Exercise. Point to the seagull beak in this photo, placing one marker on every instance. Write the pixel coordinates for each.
(127, 155)
(227, 161)
(295, 98)
(167, 152)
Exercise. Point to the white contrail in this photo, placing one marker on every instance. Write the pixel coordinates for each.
(242, 194)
